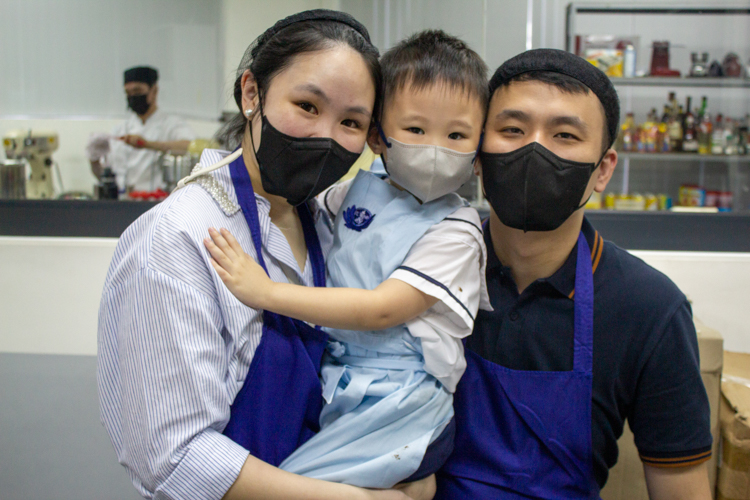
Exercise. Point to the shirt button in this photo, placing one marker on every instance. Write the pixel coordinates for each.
(513, 315)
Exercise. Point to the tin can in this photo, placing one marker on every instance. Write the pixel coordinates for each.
(692, 196)
(609, 201)
(726, 200)
(651, 202)
(665, 202)
(712, 198)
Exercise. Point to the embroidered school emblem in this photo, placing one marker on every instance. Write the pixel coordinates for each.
(357, 218)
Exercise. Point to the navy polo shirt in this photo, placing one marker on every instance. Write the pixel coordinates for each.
(645, 366)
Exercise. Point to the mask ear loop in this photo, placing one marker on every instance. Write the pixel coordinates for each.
(596, 165)
(479, 147)
(226, 161)
(387, 144)
(250, 120)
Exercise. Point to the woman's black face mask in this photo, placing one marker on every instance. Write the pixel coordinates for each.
(299, 168)
(532, 188)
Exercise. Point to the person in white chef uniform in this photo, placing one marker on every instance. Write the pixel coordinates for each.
(135, 146)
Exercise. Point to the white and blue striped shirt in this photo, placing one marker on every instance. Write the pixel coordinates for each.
(175, 345)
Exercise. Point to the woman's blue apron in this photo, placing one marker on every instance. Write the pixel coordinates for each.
(278, 406)
(383, 410)
(527, 434)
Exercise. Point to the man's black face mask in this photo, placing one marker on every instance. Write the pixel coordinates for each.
(532, 188)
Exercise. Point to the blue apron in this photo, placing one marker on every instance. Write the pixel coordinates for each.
(527, 434)
(278, 407)
(383, 410)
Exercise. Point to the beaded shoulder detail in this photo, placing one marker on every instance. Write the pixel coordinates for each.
(217, 192)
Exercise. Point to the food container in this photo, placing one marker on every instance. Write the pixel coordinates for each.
(726, 200)
(13, 180)
(692, 196)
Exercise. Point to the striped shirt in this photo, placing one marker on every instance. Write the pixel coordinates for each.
(174, 345)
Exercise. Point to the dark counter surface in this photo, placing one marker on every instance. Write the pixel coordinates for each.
(725, 232)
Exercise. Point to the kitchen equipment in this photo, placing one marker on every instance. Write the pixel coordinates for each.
(13, 179)
(36, 147)
(175, 167)
(107, 187)
(731, 66)
(699, 65)
(660, 60)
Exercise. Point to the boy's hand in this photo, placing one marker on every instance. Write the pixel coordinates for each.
(240, 273)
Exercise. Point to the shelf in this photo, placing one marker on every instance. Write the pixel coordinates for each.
(665, 81)
(684, 157)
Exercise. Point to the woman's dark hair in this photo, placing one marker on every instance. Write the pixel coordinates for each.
(430, 57)
(276, 49)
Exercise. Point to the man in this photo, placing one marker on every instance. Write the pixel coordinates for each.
(134, 148)
(583, 335)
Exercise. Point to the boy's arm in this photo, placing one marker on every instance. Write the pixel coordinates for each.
(392, 303)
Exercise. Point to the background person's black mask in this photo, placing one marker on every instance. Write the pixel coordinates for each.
(532, 188)
(299, 168)
(138, 103)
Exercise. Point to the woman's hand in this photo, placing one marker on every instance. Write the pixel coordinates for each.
(240, 273)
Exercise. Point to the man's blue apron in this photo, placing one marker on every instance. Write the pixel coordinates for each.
(527, 434)
(383, 410)
(278, 406)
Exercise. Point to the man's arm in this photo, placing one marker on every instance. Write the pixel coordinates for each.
(178, 147)
(678, 483)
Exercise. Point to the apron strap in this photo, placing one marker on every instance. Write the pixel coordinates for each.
(583, 340)
(313, 245)
(243, 187)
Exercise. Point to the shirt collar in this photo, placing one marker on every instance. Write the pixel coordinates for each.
(563, 280)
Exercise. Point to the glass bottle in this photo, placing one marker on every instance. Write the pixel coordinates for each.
(731, 139)
(628, 134)
(705, 128)
(674, 129)
(690, 133)
(717, 136)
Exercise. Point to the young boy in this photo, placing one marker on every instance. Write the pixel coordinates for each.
(406, 276)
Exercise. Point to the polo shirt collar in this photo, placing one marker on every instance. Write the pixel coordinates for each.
(564, 278)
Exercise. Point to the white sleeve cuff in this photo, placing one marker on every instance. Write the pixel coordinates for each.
(434, 288)
(208, 469)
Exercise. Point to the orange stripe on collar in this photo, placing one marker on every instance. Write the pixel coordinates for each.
(596, 256)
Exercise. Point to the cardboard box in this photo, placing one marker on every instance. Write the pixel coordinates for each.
(734, 473)
(626, 479)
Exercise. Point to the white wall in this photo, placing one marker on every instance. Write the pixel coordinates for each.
(244, 20)
(52, 286)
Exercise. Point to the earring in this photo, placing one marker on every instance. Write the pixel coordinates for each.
(248, 113)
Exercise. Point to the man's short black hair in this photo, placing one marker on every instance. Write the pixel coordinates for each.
(540, 63)
(568, 85)
(434, 57)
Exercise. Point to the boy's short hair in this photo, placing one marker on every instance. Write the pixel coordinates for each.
(430, 57)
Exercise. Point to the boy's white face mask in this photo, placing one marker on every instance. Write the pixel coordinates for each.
(428, 172)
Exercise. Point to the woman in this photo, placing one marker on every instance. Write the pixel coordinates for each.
(202, 396)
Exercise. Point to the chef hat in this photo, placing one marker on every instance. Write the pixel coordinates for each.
(565, 63)
(143, 74)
